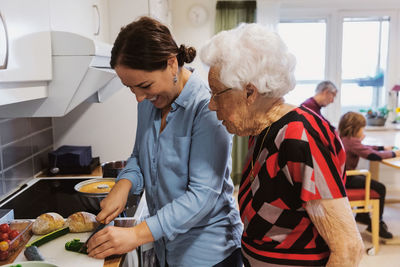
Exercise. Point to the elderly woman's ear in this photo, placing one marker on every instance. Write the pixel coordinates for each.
(251, 93)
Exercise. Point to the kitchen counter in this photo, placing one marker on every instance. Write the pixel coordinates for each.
(112, 261)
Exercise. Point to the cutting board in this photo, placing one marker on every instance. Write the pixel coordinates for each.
(55, 252)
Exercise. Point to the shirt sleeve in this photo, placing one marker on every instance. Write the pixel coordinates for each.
(208, 167)
(368, 152)
(316, 168)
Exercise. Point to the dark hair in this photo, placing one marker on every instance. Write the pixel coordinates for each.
(147, 44)
(350, 123)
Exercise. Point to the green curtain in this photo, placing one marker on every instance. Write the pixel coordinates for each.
(229, 15)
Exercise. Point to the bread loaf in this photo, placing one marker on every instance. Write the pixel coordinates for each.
(81, 221)
(47, 222)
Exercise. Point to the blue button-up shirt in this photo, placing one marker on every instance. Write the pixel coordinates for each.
(185, 171)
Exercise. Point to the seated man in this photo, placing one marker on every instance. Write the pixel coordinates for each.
(325, 93)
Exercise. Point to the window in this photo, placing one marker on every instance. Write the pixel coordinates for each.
(364, 61)
(306, 40)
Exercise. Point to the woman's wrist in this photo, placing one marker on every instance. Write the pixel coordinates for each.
(142, 234)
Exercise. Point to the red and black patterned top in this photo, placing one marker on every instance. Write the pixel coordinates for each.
(302, 159)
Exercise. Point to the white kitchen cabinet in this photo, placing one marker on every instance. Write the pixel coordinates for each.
(25, 50)
(25, 29)
(85, 17)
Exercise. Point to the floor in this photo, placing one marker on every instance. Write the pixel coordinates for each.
(388, 255)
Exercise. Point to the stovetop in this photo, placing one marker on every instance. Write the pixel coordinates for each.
(52, 195)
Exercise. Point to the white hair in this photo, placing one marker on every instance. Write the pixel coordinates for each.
(253, 54)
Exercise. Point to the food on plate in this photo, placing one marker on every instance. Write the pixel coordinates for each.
(32, 254)
(97, 187)
(76, 246)
(81, 221)
(47, 222)
(50, 236)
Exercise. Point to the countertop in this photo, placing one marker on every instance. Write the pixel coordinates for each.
(112, 261)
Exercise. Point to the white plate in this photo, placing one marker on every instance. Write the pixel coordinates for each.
(31, 264)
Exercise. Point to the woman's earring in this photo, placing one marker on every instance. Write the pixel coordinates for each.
(175, 80)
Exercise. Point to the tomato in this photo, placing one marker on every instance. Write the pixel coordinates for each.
(13, 234)
(3, 255)
(4, 228)
(4, 245)
(3, 236)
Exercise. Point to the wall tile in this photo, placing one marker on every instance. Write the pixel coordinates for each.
(16, 152)
(20, 171)
(42, 140)
(20, 140)
(41, 161)
(11, 130)
(40, 123)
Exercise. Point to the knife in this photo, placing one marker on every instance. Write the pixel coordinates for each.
(98, 228)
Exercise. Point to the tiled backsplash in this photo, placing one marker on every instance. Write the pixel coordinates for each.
(24, 144)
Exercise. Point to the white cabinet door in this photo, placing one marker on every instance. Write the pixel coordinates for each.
(25, 42)
(85, 17)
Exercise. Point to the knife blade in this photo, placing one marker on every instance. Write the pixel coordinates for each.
(98, 228)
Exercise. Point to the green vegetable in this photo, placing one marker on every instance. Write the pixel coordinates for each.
(32, 254)
(50, 236)
(75, 245)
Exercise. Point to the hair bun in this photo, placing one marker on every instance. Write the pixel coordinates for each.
(186, 54)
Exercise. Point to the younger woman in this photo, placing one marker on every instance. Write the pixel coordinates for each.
(351, 129)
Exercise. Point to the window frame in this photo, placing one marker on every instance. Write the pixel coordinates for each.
(334, 32)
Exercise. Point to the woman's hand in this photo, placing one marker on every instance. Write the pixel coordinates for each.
(115, 201)
(118, 240)
(111, 241)
(397, 152)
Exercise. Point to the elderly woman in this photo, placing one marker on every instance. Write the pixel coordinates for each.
(292, 198)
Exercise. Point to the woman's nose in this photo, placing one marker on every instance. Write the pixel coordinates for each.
(139, 95)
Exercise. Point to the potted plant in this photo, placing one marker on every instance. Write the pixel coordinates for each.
(376, 117)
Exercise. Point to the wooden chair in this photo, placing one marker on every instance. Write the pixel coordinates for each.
(366, 200)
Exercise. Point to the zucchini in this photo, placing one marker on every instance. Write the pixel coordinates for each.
(32, 254)
(50, 236)
(76, 246)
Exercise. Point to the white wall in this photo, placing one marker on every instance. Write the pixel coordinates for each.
(108, 127)
(188, 34)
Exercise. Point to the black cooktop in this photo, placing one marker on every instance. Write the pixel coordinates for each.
(51, 195)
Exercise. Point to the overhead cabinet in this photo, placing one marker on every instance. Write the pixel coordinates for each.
(25, 50)
(55, 57)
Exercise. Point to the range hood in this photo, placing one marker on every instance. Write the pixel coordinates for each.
(80, 71)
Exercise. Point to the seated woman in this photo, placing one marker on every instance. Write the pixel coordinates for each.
(351, 131)
(292, 197)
